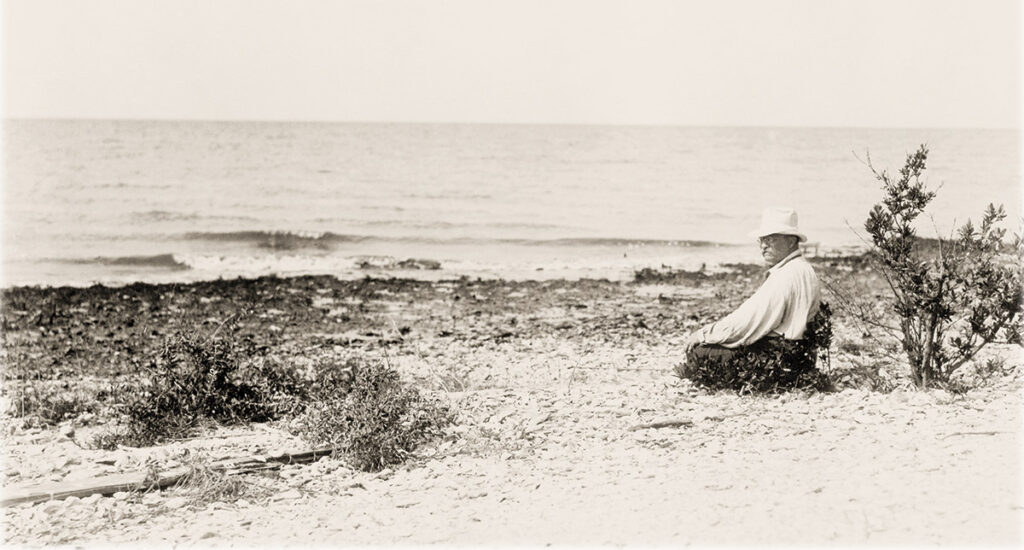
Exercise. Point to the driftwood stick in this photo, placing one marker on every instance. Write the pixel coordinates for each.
(971, 433)
(205, 437)
(103, 485)
(676, 423)
(142, 481)
(304, 457)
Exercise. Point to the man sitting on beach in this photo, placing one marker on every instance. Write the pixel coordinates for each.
(777, 314)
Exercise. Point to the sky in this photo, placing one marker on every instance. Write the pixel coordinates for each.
(867, 63)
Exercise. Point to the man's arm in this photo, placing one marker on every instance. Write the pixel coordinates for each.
(753, 320)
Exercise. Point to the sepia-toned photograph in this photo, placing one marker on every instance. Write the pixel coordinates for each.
(334, 273)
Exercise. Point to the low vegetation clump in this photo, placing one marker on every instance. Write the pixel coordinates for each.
(769, 366)
(369, 415)
(364, 410)
(194, 379)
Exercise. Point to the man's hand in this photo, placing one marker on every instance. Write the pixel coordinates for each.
(692, 341)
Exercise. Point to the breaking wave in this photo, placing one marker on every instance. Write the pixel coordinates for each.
(165, 261)
(276, 240)
(290, 240)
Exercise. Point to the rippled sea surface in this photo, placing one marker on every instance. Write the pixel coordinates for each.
(122, 201)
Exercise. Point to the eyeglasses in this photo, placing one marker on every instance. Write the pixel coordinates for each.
(768, 239)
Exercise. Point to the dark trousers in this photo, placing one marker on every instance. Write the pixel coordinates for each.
(770, 364)
(766, 346)
(712, 351)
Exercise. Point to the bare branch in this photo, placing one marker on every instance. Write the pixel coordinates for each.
(862, 239)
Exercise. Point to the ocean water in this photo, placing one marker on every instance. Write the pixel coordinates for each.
(122, 201)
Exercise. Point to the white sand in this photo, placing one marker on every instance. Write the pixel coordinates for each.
(547, 457)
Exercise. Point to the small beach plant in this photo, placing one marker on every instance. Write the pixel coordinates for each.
(204, 483)
(952, 296)
(373, 419)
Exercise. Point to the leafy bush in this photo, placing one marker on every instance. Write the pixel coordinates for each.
(194, 379)
(369, 415)
(769, 365)
(951, 296)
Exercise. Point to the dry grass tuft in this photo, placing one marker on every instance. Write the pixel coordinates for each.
(204, 484)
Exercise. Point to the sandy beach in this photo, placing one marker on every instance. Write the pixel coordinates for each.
(552, 383)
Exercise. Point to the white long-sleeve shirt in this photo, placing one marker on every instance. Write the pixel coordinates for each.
(783, 305)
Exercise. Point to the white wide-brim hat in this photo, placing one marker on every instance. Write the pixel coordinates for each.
(778, 220)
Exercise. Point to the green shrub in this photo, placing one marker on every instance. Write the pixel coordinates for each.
(194, 379)
(951, 296)
(769, 365)
(369, 415)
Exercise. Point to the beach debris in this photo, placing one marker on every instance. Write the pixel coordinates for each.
(955, 434)
(104, 485)
(387, 262)
(412, 263)
(668, 423)
(149, 480)
(534, 422)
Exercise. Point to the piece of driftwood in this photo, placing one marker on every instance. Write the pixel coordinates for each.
(303, 457)
(143, 481)
(954, 434)
(102, 485)
(674, 423)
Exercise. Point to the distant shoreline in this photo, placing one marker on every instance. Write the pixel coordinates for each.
(168, 269)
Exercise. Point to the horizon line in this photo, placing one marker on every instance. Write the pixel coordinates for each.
(491, 123)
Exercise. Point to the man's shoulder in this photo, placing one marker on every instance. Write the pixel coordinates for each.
(803, 261)
(798, 266)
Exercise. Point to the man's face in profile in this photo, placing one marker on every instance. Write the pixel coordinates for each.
(775, 247)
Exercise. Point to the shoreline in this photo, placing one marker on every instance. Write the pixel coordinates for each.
(617, 264)
(75, 328)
